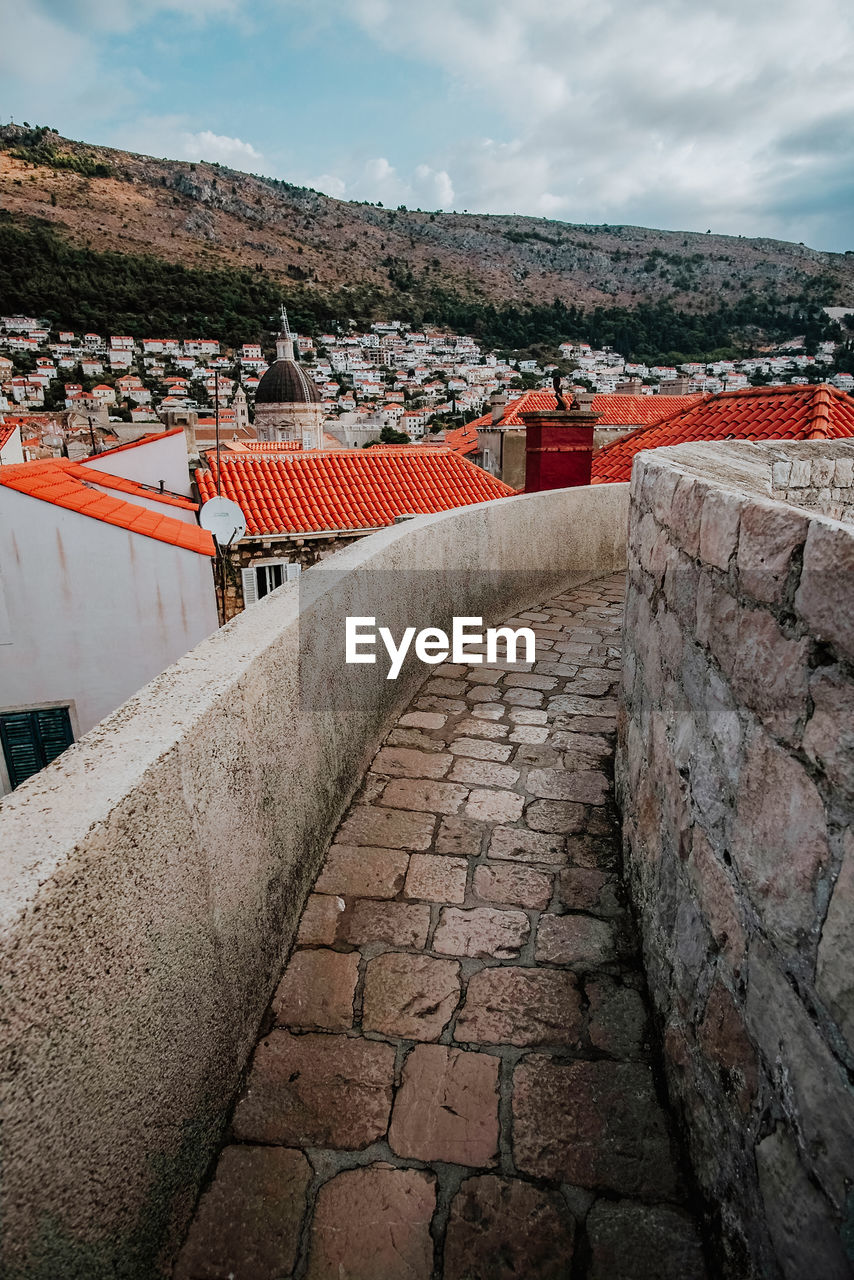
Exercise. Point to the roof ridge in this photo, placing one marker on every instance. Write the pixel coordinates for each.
(818, 421)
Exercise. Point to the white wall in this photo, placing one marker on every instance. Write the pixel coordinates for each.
(12, 451)
(94, 612)
(164, 458)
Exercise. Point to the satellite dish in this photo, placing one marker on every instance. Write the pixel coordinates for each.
(224, 519)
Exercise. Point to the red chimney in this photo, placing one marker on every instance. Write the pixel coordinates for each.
(559, 446)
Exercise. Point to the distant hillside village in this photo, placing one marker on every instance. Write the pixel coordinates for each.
(78, 393)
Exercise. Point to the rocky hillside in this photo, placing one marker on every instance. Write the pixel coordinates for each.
(205, 216)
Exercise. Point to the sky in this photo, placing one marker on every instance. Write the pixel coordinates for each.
(730, 115)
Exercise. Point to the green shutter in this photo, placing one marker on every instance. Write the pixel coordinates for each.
(31, 739)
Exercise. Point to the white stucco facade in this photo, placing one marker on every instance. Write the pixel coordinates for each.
(162, 459)
(89, 612)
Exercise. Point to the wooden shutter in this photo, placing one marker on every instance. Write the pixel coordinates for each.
(250, 586)
(292, 571)
(31, 739)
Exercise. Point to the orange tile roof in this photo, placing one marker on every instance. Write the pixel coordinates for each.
(462, 440)
(755, 413)
(320, 490)
(68, 484)
(613, 410)
(7, 429)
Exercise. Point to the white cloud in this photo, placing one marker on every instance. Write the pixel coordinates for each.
(219, 147)
(642, 110)
(379, 180)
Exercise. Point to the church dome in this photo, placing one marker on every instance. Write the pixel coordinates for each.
(285, 383)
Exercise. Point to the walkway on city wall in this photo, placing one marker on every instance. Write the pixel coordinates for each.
(456, 1077)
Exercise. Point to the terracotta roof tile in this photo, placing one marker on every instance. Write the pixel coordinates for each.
(462, 440)
(319, 490)
(70, 485)
(753, 413)
(613, 410)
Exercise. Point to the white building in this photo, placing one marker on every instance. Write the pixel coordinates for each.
(103, 584)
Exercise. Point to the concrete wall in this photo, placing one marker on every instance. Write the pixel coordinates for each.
(164, 458)
(156, 870)
(94, 611)
(736, 780)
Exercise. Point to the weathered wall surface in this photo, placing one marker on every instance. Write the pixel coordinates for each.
(736, 777)
(151, 876)
(811, 476)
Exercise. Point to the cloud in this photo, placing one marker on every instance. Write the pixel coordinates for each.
(379, 180)
(630, 110)
(219, 147)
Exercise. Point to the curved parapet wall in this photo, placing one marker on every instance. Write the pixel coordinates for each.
(152, 876)
(735, 772)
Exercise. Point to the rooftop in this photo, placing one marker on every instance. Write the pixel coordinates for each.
(311, 491)
(757, 413)
(73, 486)
(612, 410)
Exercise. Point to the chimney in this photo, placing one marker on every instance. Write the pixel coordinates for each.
(559, 446)
(498, 403)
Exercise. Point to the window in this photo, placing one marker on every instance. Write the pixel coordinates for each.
(265, 576)
(31, 739)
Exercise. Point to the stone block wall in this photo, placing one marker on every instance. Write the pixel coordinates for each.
(735, 773)
(812, 477)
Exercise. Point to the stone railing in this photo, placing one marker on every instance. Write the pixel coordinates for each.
(736, 778)
(808, 474)
(151, 877)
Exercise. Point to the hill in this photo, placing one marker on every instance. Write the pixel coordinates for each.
(514, 280)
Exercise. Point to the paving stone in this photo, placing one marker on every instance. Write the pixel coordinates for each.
(483, 675)
(317, 990)
(400, 924)
(617, 1018)
(585, 787)
(523, 698)
(575, 939)
(317, 1091)
(528, 715)
(459, 836)
(534, 754)
(422, 720)
(481, 931)
(432, 797)
(403, 762)
(447, 1107)
(487, 711)
(248, 1221)
(450, 670)
(448, 706)
(518, 886)
(477, 728)
(558, 816)
(364, 872)
(475, 749)
(593, 745)
(529, 680)
(410, 996)
(630, 1241)
(484, 773)
(526, 1007)
(494, 806)
(386, 829)
(445, 688)
(574, 704)
(514, 844)
(320, 919)
(506, 1229)
(604, 1128)
(591, 851)
(589, 889)
(436, 878)
(530, 734)
(373, 1224)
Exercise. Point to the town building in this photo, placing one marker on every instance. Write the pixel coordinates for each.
(301, 505)
(104, 582)
(287, 402)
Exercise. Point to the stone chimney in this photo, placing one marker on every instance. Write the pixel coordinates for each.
(498, 403)
(559, 446)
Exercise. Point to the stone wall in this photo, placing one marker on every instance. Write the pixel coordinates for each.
(304, 551)
(736, 777)
(811, 476)
(152, 875)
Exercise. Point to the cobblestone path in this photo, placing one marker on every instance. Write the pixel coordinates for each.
(457, 1082)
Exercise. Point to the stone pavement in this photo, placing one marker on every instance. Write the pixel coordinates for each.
(457, 1081)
